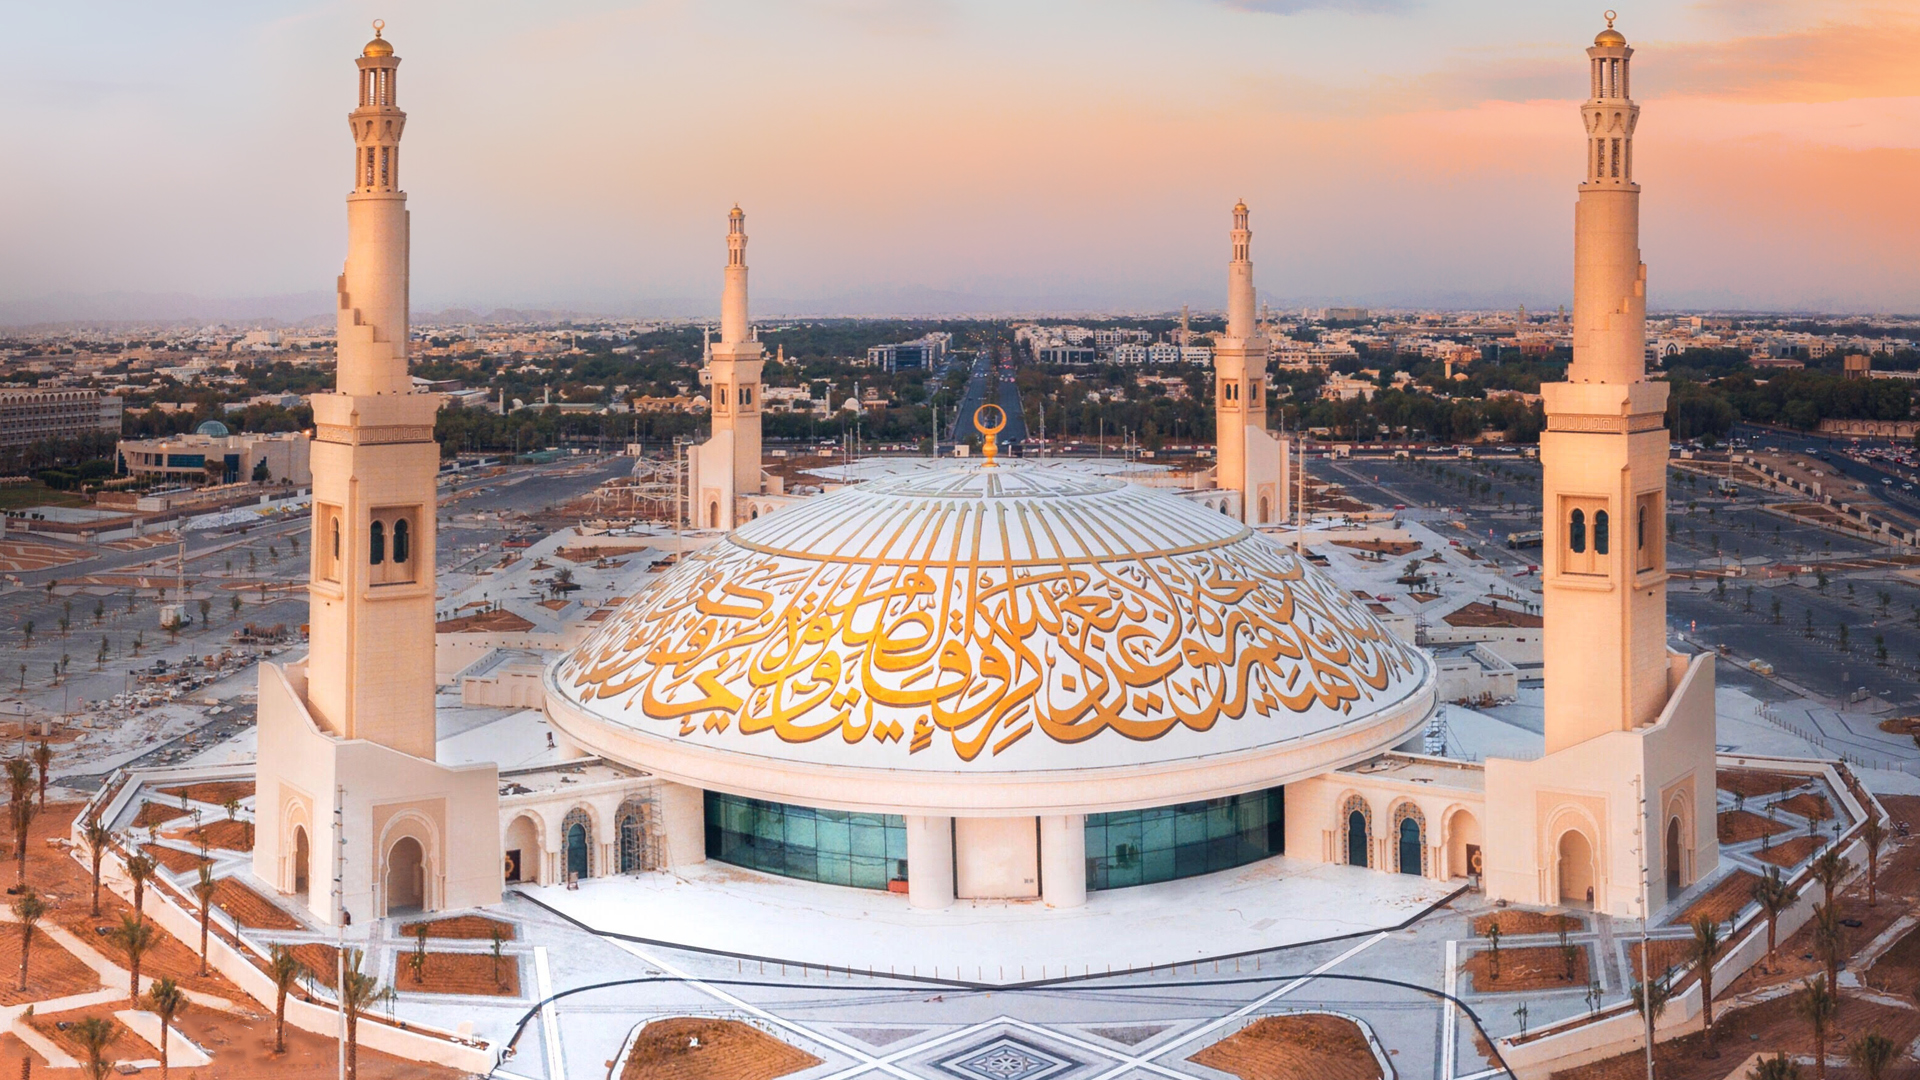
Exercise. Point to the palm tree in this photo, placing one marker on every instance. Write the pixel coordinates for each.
(43, 761)
(20, 808)
(1871, 1054)
(1650, 999)
(1874, 835)
(203, 891)
(285, 970)
(135, 935)
(140, 868)
(1777, 1067)
(1707, 947)
(1829, 941)
(359, 993)
(1829, 870)
(27, 910)
(98, 838)
(1817, 1007)
(1773, 894)
(26, 634)
(94, 1034)
(167, 1001)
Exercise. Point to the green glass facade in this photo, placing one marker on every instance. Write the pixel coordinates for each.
(832, 846)
(1140, 847)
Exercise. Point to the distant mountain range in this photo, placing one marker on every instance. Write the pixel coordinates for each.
(122, 310)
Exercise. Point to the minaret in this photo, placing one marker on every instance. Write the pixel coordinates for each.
(1240, 392)
(734, 366)
(1604, 453)
(370, 666)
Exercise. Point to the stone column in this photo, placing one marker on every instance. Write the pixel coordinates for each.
(1063, 860)
(683, 822)
(930, 861)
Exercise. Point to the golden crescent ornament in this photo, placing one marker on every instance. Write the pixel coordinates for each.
(989, 447)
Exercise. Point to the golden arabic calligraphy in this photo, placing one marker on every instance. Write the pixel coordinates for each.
(981, 655)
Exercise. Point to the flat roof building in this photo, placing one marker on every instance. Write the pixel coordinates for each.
(31, 416)
(213, 455)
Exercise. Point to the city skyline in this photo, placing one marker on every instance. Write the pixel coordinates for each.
(930, 158)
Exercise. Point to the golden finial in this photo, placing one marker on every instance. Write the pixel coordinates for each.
(381, 24)
(1610, 15)
(989, 448)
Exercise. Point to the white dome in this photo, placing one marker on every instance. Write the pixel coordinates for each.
(989, 625)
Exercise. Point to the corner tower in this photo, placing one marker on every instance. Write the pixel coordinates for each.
(1604, 453)
(727, 466)
(1618, 815)
(375, 461)
(1251, 461)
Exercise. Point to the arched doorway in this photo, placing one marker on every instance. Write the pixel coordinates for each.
(1673, 857)
(525, 857)
(1463, 844)
(1577, 887)
(575, 830)
(301, 857)
(1410, 844)
(1357, 840)
(631, 825)
(713, 515)
(406, 876)
(1263, 510)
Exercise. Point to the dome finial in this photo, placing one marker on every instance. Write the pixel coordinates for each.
(1610, 15)
(379, 46)
(989, 447)
(381, 24)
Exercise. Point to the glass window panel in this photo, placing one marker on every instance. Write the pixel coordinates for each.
(1157, 864)
(831, 834)
(869, 873)
(800, 830)
(869, 839)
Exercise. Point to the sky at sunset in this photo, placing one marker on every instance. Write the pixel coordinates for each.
(957, 155)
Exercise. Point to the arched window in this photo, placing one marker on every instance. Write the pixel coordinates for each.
(576, 831)
(402, 540)
(1640, 529)
(376, 543)
(1577, 530)
(1599, 532)
(336, 538)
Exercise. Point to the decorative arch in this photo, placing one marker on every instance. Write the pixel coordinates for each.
(415, 826)
(576, 844)
(1405, 812)
(523, 846)
(1462, 838)
(1570, 879)
(633, 833)
(296, 821)
(1676, 836)
(1356, 804)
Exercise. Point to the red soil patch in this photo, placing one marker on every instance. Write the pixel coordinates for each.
(319, 960)
(1723, 901)
(1808, 805)
(1898, 969)
(154, 813)
(470, 927)
(213, 792)
(502, 621)
(1380, 547)
(1789, 853)
(1777, 1027)
(1478, 614)
(728, 1050)
(249, 908)
(1535, 967)
(180, 862)
(223, 834)
(1752, 783)
(59, 1028)
(1668, 954)
(243, 1050)
(1515, 921)
(51, 970)
(1306, 1045)
(459, 973)
(1739, 826)
(1901, 725)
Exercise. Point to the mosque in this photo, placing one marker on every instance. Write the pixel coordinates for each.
(997, 679)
